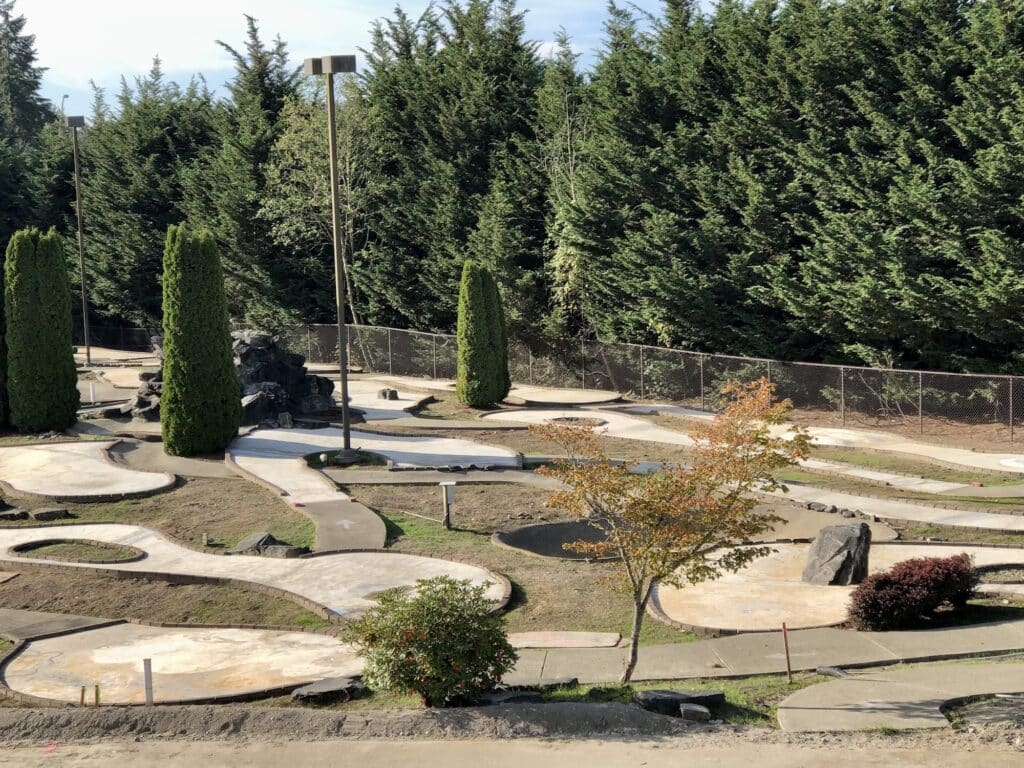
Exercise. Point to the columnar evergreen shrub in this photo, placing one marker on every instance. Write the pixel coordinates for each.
(442, 641)
(482, 362)
(911, 591)
(42, 382)
(499, 334)
(200, 406)
(5, 414)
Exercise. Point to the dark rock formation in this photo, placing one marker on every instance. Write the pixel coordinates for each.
(839, 555)
(274, 384)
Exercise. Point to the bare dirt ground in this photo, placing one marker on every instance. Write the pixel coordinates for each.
(225, 508)
(483, 508)
(85, 594)
(605, 735)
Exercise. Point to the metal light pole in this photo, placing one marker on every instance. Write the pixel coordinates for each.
(74, 122)
(330, 66)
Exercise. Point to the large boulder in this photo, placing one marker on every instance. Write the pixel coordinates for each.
(839, 555)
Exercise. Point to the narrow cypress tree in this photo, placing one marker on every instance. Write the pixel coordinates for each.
(200, 407)
(479, 377)
(498, 335)
(42, 383)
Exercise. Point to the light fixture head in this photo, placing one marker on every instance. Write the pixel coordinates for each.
(74, 121)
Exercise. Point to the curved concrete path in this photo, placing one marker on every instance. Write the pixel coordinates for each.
(274, 456)
(189, 663)
(343, 583)
(75, 471)
(895, 698)
(519, 393)
(632, 428)
(769, 591)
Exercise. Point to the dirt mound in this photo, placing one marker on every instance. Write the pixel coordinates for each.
(205, 723)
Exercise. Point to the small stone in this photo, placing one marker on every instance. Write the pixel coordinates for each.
(284, 420)
(50, 513)
(666, 702)
(847, 513)
(817, 506)
(694, 712)
(283, 551)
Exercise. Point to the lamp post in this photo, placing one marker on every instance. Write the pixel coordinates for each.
(74, 122)
(330, 66)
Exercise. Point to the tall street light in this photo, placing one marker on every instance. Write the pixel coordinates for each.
(74, 122)
(330, 66)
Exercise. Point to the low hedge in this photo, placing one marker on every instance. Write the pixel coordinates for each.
(907, 594)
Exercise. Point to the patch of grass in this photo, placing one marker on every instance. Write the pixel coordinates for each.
(117, 597)
(911, 531)
(908, 465)
(225, 508)
(546, 593)
(478, 507)
(376, 701)
(80, 552)
(748, 701)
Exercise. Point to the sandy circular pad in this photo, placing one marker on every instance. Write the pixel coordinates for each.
(189, 664)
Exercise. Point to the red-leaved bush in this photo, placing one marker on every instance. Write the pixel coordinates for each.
(909, 592)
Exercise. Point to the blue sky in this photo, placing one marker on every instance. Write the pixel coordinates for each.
(101, 40)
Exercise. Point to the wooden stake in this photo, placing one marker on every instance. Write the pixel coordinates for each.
(81, 698)
(147, 674)
(97, 695)
(785, 640)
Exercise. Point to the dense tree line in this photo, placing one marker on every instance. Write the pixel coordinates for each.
(837, 180)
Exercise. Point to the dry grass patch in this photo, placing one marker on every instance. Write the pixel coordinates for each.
(225, 508)
(478, 507)
(117, 597)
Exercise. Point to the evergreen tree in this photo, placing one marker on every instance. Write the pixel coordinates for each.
(23, 112)
(450, 90)
(135, 162)
(42, 381)
(481, 376)
(498, 332)
(200, 407)
(224, 189)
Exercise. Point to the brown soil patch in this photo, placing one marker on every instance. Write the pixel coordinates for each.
(115, 597)
(482, 507)
(73, 551)
(225, 508)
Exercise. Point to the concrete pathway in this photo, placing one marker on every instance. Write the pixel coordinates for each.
(75, 471)
(344, 583)
(189, 663)
(274, 456)
(895, 698)
(520, 393)
(763, 653)
(891, 509)
(769, 591)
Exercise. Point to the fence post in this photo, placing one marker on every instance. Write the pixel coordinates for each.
(700, 361)
(433, 353)
(920, 402)
(1011, 409)
(769, 373)
(391, 368)
(642, 373)
(842, 394)
(529, 358)
(309, 343)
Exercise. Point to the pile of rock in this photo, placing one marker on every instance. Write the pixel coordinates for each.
(275, 381)
(839, 555)
(275, 386)
(265, 545)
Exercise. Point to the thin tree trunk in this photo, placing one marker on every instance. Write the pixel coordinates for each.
(639, 609)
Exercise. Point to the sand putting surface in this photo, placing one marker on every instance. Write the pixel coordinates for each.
(769, 591)
(75, 471)
(189, 664)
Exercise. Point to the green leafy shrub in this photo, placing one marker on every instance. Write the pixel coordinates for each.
(442, 641)
(200, 406)
(910, 591)
(482, 377)
(42, 381)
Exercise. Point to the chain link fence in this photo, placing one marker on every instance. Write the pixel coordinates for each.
(978, 410)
